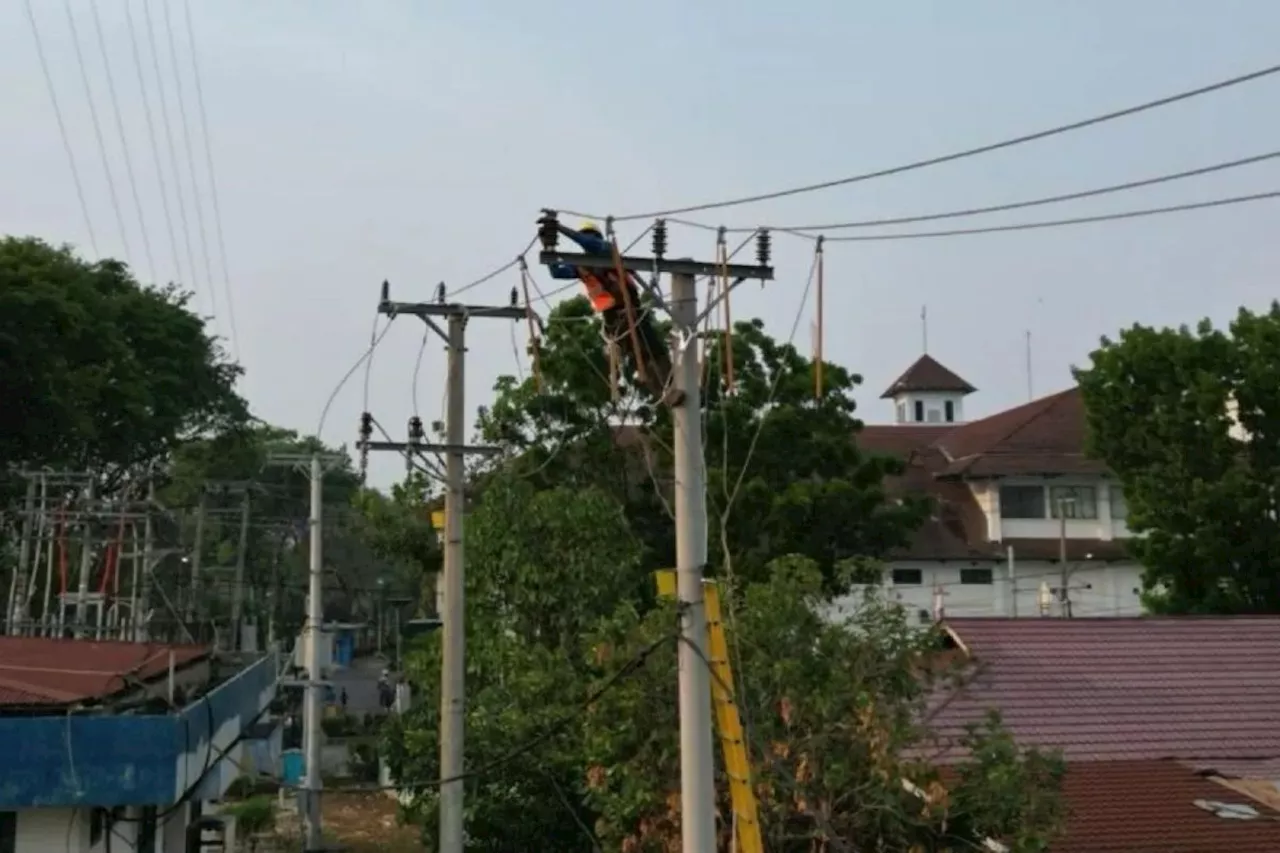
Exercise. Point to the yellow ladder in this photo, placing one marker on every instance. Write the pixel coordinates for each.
(732, 740)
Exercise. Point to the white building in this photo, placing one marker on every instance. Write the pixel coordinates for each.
(1000, 485)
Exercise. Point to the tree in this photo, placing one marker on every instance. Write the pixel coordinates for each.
(784, 474)
(101, 372)
(1202, 501)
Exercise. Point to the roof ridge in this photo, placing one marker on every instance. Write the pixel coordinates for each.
(1034, 410)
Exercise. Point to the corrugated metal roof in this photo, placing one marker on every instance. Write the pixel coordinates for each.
(45, 671)
(1150, 807)
(1124, 689)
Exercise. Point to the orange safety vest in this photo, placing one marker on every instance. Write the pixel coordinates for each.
(601, 298)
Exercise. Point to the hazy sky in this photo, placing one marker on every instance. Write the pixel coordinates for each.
(416, 142)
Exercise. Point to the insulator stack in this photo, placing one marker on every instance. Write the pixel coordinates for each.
(416, 433)
(548, 230)
(660, 238)
(763, 247)
(366, 432)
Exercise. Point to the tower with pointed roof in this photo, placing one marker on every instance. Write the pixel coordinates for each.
(928, 393)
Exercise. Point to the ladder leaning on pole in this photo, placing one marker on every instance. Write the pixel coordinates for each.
(728, 721)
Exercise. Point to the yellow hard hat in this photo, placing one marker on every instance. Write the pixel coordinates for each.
(590, 226)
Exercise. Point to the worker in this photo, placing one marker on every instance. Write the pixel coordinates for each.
(607, 299)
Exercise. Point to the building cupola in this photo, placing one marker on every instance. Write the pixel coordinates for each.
(928, 393)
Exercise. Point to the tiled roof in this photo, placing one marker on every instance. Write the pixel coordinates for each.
(1045, 436)
(1124, 688)
(927, 375)
(44, 671)
(1149, 807)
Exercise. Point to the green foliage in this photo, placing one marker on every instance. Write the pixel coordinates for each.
(253, 817)
(99, 370)
(783, 471)
(1203, 501)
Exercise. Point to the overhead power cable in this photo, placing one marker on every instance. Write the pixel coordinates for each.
(958, 155)
(1055, 223)
(490, 276)
(999, 208)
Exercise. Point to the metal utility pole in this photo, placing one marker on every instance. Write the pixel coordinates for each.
(455, 449)
(17, 612)
(237, 594)
(86, 566)
(697, 779)
(1064, 593)
(313, 466)
(197, 554)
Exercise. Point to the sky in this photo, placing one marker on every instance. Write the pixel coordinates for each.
(416, 142)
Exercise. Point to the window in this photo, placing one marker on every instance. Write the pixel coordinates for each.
(919, 411)
(908, 577)
(1076, 501)
(8, 832)
(1119, 508)
(975, 576)
(950, 409)
(1022, 502)
(902, 413)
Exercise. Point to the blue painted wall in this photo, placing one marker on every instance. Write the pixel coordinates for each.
(70, 760)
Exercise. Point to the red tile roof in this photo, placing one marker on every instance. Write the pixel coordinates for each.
(927, 374)
(1149, 807)
(1124, 688)
(44, 671)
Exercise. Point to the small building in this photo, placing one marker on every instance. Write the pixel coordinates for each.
(106, 741)
(1012, 494)
(1168, 726)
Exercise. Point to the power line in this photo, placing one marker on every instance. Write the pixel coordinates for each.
(490, 276)
(1058, 223)
(191, 159)
(155, 148)
(62, 129)
(998, 208)
(213, 186)
(124, 140)
(97, 128)
(173, 153)
(958, 155)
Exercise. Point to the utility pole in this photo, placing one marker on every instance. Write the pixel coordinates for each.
(197, 554)
(86, 566)
(455, 449)
(237, 595)
(697, 770)
(17, 612)
(313, 466)
(1064, 593)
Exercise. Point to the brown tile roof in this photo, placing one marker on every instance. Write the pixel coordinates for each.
(1150, 807)
(1124, 688)
(1043, 437)
(927, 374)
(45, 671)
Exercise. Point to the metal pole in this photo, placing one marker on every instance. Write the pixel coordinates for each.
(1013, 585)
(237, 594)
(1063, 594)
(697, 782)
(452, 672)
(142, 586)
(197, 552)
(315, 617)
(18, 589)
(86, 566)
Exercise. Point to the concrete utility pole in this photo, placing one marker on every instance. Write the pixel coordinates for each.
(197, 554)
(86, 565)
(453, 663)
(313, 466)
(697, 771)
(17, 612)
(1064, 591)
(142, 583)
(237, 595)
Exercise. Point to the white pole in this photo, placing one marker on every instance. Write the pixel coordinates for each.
(697, 782)
(452, 672)
(1013, 585)
(315, 618)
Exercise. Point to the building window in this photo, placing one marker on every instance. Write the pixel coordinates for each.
(1076, 501)
(975, 576)
(902, 413)
(1022, 502)
(919, 411)
(908, 577)
(1119, 508)
(950, 410)
(8, 832)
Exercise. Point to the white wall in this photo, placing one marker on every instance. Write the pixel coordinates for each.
(68, 831)
(1106, 526)
(1095, 589)
(935, 405)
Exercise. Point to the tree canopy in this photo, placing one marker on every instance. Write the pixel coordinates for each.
(1202, 500)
